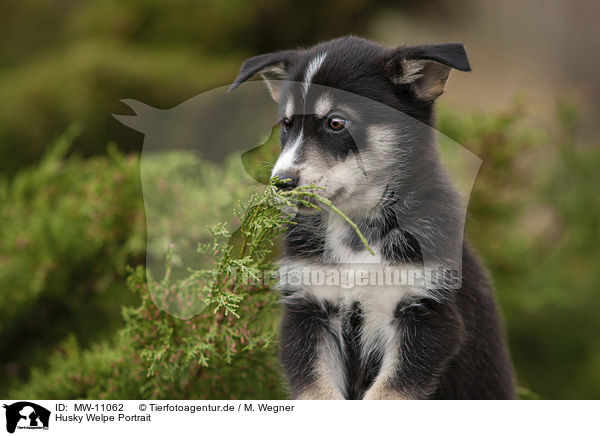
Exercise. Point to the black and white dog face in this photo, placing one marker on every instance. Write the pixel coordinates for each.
(352, 111)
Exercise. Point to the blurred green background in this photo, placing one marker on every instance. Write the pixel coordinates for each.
(72, 217)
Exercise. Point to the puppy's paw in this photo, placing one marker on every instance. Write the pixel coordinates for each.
(321, 393)
(379, 392)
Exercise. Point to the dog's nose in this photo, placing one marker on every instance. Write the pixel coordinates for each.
(286, 182)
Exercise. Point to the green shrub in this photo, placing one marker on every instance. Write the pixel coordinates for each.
(67, 230)
(229, 349)
(533, 215)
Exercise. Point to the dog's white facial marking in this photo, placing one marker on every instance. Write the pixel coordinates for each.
(287, 157)
(289, 108)
(323, 105)
(311, 69)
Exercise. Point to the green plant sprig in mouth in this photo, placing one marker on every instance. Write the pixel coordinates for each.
(217, 285)
(307, 196)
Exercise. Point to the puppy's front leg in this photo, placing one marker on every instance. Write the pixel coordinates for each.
(311, 350)
(426, 336)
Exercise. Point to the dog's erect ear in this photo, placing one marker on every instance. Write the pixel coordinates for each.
(426, 68)
(273, 67)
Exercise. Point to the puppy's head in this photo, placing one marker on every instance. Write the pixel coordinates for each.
(352, 112)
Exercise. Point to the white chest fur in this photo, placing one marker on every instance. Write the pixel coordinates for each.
(353, 276)
(350, 277)
(377, 287)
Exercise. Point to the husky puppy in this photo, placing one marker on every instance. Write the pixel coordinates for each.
(357, 121)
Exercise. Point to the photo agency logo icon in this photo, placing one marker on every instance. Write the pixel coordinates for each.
(391, 169)
(25, 415)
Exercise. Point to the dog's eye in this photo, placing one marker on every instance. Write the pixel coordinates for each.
(336, 123)
(287, 124)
